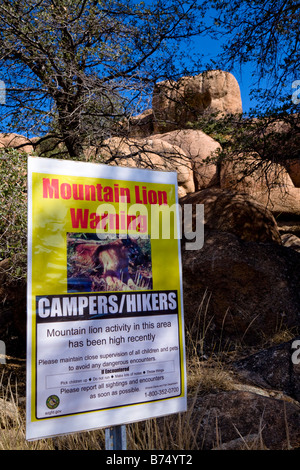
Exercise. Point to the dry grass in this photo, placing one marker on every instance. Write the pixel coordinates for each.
(169, 432)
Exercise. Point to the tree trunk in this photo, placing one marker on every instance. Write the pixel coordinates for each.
(73, 144)
(69, 126)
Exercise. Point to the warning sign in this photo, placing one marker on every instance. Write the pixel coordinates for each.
(105, 318)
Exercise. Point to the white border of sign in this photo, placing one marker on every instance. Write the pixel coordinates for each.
(36, 429)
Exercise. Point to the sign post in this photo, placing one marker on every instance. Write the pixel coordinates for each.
(115, 438)
(105, 330)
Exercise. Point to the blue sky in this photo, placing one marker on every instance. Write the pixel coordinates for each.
(245, 75)
(211, 48)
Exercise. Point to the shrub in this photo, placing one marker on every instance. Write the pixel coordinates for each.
(13, 213)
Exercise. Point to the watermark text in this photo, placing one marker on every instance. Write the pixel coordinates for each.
(296, 93)
(2, 92)
(2, 352)
(137, 221)
(296, 353)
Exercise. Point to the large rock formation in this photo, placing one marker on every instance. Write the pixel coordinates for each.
(151, 154)
(269, 183)
(16, 141)
(252, 287)
(199, 147)
(240, 214)
(141, 125)
(175, 104)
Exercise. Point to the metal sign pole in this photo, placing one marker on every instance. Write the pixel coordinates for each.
(115, 438)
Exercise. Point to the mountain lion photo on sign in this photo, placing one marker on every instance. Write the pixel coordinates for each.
(113, 264)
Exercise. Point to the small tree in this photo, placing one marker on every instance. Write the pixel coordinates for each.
(13, 215)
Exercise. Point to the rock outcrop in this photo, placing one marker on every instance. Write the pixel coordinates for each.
(240, 214)
(175, 104)
(16, 141)
(198, 147)
(271, 186)
(252, 287)
(151, 154)
(142, 125)
(243, 420)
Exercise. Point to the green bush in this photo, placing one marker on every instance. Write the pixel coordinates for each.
(13, 213)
